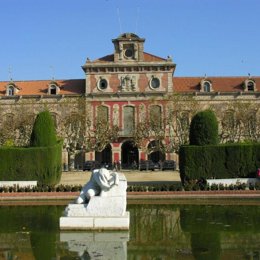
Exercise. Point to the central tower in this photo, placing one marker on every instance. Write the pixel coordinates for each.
(129, 70)
(128, 48)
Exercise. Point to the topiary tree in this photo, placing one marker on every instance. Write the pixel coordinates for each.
(204, 128)
(43, 133)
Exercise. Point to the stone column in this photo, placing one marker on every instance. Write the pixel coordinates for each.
(71, 161)
(65, 160)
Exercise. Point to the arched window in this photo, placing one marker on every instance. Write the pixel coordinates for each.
(104, 157)
(53, 90)
(155, 116)
(250, 85)
(155, 147)
(129, 120)
(10, 91)
(129, 155)
(102, 114)
(205, 86)
(54, 118)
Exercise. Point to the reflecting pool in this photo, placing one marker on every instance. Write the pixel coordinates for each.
(157, 231)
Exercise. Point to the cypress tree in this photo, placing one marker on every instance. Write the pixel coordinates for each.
(43, 133)
(204, 128)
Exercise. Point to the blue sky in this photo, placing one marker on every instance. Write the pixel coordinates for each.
(41, 39)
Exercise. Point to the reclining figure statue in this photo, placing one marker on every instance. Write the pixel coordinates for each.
(101, 180)
(100, 205)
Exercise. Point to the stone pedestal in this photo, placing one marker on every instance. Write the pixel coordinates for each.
(95, 223)
(104, 212)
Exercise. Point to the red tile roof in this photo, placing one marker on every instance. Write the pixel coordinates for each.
(219, 84)
(107, 58)
(180, 84)
(150, 57)
(40, 87)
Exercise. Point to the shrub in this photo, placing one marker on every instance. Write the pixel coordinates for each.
(43, 133)
(155, 187)
(204, 128)
(9, 143)
(42, 188)
(221, 186)
(42, 164)
(219, 161)
(231, 187)
(214, 186)
(189, 185)
(257, 185)
(251, 186)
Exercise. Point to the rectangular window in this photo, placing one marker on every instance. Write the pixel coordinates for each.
(129, 120)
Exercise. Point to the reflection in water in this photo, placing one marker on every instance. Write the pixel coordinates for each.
(156, 232)
(219, 232)
(205, 246)
(194, 232)
(14, 246)
(29, 232)
(93, 245)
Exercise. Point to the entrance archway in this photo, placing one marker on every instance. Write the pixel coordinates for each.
(105, 157)
(157, 155)
(129, 155)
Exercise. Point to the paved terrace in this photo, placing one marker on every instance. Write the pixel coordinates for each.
(74, 178)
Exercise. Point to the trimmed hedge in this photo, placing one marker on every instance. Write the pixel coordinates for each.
(219, 161)
(43, 132)
(42, 164)
(204, 128)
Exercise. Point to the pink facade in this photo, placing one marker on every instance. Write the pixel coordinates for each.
(126, 83)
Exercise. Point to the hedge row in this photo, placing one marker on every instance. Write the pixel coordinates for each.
(219, 161)
(41, 188)
(154, 187)
(42, 164)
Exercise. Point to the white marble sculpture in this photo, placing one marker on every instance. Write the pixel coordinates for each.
(101, 204)
(101, 181)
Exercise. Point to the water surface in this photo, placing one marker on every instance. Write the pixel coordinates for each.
(157, 231)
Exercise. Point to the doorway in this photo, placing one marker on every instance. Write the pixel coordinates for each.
(129, 155)
(156, 155)
(105, 157)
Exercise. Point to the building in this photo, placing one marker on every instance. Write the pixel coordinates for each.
(129, 107)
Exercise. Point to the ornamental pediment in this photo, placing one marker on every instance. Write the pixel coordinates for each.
(128, 82)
